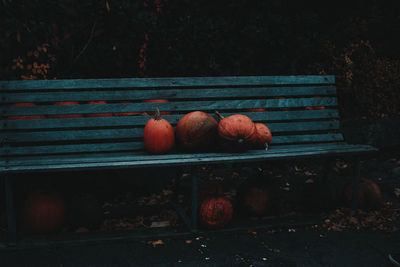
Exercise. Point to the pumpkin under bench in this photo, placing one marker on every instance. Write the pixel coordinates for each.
(92, 124)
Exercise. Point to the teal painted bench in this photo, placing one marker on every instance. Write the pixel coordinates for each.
(301, 112)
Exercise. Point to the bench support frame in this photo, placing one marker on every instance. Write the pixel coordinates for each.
(11, 216)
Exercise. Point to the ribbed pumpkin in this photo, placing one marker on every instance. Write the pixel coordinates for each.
(43, 212)
(215, 212)
(158, 135)
(263, 136)
(25, 117)
(196, 131)
(369, 195)
(66, 115)
(98, 114)
(236, 132)
(256, 200)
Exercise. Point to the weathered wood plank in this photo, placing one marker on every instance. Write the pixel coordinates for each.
(135, 95)
(311, 138)
(172, 106)
(138, 155)
(199, 159)
(98, 134)
(78, 148)
(141, 120)
(166, 82)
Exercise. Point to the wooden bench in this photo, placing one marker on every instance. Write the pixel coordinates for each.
(301, 112)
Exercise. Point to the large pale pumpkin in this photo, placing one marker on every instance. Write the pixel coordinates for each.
(158, 135)
(196, 131)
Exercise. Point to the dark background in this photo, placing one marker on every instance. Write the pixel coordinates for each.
(358, 41)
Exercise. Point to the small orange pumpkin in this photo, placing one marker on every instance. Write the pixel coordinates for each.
(43, 212)
(158, 135)
(93, 115)
(25, 117)
(66, 115)
(215, 212)
(369, 195)
(157, 101)
(256, 200)
(236, 131)
(263, 136)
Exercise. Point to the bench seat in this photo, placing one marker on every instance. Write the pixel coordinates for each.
(129, 160)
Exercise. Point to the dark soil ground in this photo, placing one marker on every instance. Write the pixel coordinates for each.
(285, 237)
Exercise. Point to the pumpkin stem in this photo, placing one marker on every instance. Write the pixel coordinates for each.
(219, 115)
(157, 115)
(266, 146)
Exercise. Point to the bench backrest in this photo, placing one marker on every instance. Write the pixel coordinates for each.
(298, 109)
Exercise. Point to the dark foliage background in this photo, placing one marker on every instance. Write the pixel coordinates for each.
(355, 40)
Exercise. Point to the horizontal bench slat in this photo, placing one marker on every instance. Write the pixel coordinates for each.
(166, 82)
(127, 156)
(130, 146)
(141, 120)
(134, 95)
(196, 159)
(69, 135)
(172, 106)
(78, 148)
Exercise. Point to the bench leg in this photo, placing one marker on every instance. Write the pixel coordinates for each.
(356, 170)
(11, 220)
(194, 202)
(191, 222)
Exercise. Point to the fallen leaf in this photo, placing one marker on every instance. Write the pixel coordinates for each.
(309, 181)
(188, 241)
(156, 243)
(397, 192)
(160, 224)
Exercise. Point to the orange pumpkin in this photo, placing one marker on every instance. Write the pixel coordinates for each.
(158, 135)
(263, 136)
(43, 212)
(66, 115)
(369, 195)
(118, 114)
(98, 114)
(196, 131)
(256, 200)
(157, 101)
(215, 212)
(25, 117)
(236, 132)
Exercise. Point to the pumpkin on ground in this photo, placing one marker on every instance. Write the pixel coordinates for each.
(215, 212)
(236, 132)
(66, 115)
(263, 136)
(157, 101)
(369, 195)
(158, 135)
(210, 190)
(85, 210)
(25, 117)
(256, 200)
(98, 114)
(196, 131)
(43, 212)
